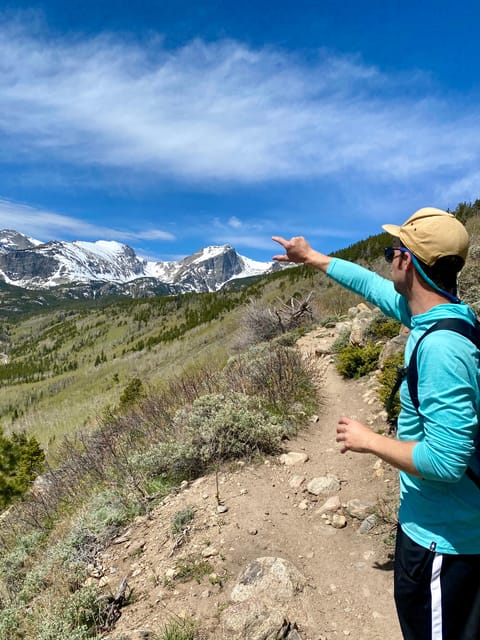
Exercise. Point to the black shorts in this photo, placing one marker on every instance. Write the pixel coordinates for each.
(437, 595)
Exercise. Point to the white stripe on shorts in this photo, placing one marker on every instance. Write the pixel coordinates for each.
(436, 594)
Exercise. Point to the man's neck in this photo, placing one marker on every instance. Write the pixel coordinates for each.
(422, 300)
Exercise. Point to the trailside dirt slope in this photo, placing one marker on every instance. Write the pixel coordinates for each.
(264, 509)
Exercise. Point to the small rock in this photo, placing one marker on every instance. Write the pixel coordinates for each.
(338, 521)
(331, 505)
(358, 509)
(198, 481)
(222, 508)
(122, 539)
(303, 505)
(292, 458)
(368, 524)
(253, 532)
(209, 552)
(171, 573)
(296, 481)
(136, 548)
(323, 484)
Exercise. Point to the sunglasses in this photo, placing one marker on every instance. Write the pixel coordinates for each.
(389, 253)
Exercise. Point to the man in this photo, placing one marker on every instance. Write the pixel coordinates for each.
(437, 556)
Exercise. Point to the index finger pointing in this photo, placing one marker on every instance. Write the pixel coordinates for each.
(281, 241)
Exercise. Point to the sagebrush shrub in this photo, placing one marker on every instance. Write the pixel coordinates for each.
(14, 563)
(276, 374)
(77, 617)
(10, 623)
(219, 427)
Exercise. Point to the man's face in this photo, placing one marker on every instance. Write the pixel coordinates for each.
(397, 269)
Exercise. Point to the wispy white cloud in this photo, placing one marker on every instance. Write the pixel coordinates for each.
(234, 222)
(223, 112)
(257, 234)
(45, 226)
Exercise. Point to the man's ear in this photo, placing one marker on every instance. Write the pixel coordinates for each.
(407, 260)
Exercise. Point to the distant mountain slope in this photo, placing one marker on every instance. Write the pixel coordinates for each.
(29, 264)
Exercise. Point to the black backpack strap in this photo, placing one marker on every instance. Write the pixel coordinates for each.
(473, 476)
(472, 332)
(464, 328)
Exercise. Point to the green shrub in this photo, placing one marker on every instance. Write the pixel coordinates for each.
(179, 629)
(341, 341)
(181, 519)
(384, 327)
(387, 378)
(355, 361)
(132, 394)
(21, 461)
(192, 569)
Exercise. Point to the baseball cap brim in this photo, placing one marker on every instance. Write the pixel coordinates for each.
(392, 229)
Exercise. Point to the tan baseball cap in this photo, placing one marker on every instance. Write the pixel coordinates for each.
(431, 234)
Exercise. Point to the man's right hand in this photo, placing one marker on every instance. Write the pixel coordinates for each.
(298, 250)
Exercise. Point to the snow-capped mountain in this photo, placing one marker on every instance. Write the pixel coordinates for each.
(30, 264)
(207, 270)
(10, 240)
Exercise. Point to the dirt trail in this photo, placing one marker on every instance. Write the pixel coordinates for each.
(349, 592)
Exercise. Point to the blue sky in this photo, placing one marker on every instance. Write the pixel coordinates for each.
(171, 125)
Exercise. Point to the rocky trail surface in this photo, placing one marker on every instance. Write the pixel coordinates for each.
(292, 547)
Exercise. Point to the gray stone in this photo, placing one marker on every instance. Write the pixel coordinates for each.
(391, 348)
(368, 524)
(268, 577)
(293, 457)
(323, 484)
(360, 326)
(252, 621)
(358, 509)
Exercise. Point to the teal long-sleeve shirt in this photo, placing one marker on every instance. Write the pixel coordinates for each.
(441, 508)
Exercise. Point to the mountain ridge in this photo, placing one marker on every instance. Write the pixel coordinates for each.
(30, 264)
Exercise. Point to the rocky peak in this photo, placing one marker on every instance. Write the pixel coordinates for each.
(30, 264)
(13, 240)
